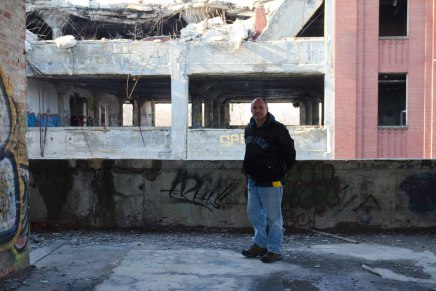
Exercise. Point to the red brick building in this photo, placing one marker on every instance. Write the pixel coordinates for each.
(384, 82)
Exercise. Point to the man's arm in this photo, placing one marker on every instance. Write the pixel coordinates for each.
(287, 148)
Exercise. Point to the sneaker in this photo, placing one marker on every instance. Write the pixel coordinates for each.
(254, 251)
(271, 257)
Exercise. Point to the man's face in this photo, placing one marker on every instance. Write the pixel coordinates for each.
(259, 110)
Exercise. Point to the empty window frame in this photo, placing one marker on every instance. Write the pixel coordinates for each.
(127, 114)
(78, 110)
(393, 18)
(392, 100)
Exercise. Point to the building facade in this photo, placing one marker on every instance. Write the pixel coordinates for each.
(361, 81)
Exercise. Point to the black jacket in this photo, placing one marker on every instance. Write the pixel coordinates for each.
(269, 151)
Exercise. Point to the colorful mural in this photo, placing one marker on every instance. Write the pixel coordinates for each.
(14, 195)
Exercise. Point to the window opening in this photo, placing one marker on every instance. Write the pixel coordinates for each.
(78, 110)
(393, 18)
(392, 109)
(163, 114)
(127, 114)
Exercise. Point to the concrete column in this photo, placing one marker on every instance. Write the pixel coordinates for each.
(225, 115)
(208, 113)
(216, 113)
(303, 112)
(56, 23)
(309, 112)
(329, 76)
(179, 101)
(146, 113)
(135, 113)
(196, 112)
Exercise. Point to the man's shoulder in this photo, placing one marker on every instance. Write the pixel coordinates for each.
(280, 125)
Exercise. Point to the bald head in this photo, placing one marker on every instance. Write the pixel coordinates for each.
(259, 110)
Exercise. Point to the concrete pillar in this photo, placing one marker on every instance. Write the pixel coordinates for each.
(120, 113)
(216, 113)
(196, 112)
(309, 112)
(225, 115)
(208, 113)
(146, 113)
(179, 101)
(56, 23)
(303, 112)
(135, 113)
(329, 87)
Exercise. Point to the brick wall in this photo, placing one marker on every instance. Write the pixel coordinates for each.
(14, 173)
(359, 56)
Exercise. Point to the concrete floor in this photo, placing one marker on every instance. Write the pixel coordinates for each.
(176, 260)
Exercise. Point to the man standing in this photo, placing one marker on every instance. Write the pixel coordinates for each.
(269, 154)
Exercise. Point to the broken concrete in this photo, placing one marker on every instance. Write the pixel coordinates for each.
(199, 260)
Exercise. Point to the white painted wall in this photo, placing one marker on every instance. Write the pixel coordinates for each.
(152, 143)
(90, 57)
(42, 97)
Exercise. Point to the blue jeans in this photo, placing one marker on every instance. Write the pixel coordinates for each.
(265, 203)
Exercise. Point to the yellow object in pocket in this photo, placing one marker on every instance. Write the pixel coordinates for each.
(277, 184)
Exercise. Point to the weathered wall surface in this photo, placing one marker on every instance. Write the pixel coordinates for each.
(155, 143)
(144, 58)
(14, 197)
(321, 194)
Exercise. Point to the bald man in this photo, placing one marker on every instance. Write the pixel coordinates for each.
(269, 154)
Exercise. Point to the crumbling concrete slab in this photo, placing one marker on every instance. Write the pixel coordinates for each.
(288, 18)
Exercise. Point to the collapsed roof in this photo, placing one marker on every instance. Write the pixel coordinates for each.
(198, 19)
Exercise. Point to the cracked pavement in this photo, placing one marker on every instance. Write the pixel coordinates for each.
(211, 260)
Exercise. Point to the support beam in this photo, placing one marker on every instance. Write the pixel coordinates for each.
(179, 101)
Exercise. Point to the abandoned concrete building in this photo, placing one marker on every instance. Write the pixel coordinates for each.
(115, 67)
(134, 112)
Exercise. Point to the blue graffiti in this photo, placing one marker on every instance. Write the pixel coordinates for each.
(44, 120)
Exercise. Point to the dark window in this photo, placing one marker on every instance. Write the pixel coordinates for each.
(393, 18)
(392, 90)
(78, 110)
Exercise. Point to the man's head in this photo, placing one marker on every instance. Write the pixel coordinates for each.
(259, 110)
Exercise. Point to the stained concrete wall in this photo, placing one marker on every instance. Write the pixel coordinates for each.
(89, 57)
(14, 173)
(321, 194)
(155, 143)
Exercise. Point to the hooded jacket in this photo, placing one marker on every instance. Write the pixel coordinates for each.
(269, 151)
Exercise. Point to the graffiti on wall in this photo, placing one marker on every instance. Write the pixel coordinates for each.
(44, 120)
(14, 195)
(421, 190)
(232, 139)
(310, 189)
(203, 190)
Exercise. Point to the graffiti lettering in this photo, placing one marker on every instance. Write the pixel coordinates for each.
(232, 139)
(45, 119)
(201, 190)
(13, 189)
